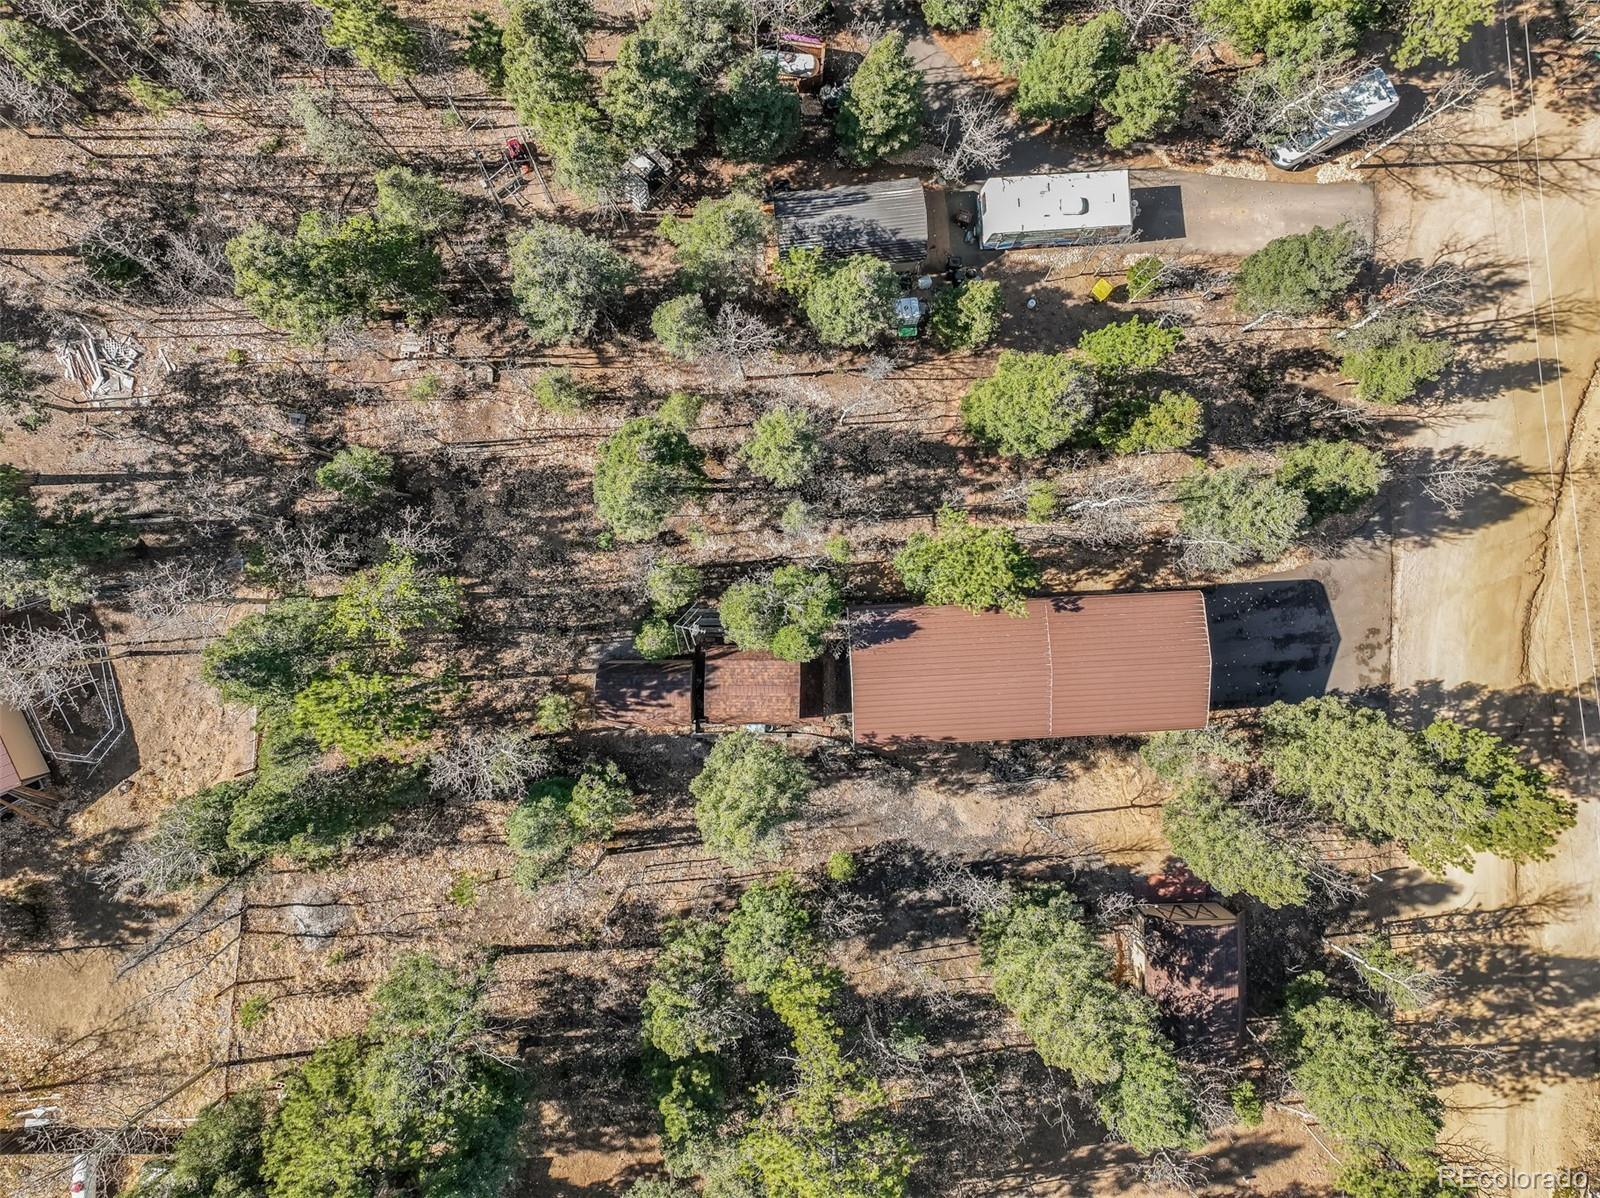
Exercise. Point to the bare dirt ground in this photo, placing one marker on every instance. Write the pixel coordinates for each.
(312, 944)
(1499, 625)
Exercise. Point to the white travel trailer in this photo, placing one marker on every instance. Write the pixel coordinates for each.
(1359, 104)
(1063, 209)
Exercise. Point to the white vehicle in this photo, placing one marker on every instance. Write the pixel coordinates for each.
(1064, 208)
(84, 1182)
(1359, 104)
(796, 64)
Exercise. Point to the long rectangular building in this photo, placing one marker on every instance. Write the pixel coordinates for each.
(888, 219)
(1076, 665)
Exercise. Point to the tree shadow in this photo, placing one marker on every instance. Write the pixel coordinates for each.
(1563, 170)
(1543, 724)
(59, 867)
(1425, 514)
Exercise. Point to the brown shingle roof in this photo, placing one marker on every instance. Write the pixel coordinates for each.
(749, 687)
(1076, 665)
(645, 694)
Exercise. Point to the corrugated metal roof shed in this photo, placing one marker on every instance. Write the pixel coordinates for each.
(750, 687)
(889, 220)
(645, 694)
(1076, 665)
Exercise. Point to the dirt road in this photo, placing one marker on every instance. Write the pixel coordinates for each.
(1191, 212)
(1496, 622)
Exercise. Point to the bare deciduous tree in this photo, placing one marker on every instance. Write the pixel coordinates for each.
(977, 136)
(1303, 405)
(975, 895)
(1167, 1170)
(180, 597)
(303, 555)
(739, 339)
(1390, 974)
(1440, 288)
(484, 764)
(304, 35)
(40, 666)
(803, 16)
(1454, 480)
(168, 859)
(1109, 507)
(879, 367)
(43, 104)
(206, 500)
(1272, 103)
(193, 266)
(420, 535)
(868, 27)
(1170, 18)
(1452, 98)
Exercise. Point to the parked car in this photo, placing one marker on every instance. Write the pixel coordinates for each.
(799, 59)
(1360, 104)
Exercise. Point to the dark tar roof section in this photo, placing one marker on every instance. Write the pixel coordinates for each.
(645, 694)
(1077, 665)
(889, 220)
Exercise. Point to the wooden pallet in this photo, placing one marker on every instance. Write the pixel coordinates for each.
(30, 803)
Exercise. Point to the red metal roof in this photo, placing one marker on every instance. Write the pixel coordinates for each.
(1076, 665)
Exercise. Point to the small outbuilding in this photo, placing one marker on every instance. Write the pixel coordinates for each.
(1070, 208)
(1107, 664)
(22, 762)
(658, 695)
(888, 220)
(1189, 957)
(744, 686)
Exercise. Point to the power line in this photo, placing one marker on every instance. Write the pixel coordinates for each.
(1538, 348)
(1561, 384)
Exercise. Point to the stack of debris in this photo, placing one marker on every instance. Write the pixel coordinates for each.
(101, 364)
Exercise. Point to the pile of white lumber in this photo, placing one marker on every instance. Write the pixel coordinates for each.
(102, 364)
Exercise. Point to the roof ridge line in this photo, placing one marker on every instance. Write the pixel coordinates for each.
(1049, 673)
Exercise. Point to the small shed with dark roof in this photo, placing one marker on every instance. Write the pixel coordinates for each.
(1189, 957)
(888, 220)
(1075, 665)
(645, 694)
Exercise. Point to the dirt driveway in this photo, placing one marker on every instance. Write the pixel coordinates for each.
(1184, 211)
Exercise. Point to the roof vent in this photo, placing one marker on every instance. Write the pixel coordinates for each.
(1076, 205)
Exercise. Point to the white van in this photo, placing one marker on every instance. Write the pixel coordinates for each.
(1359, 104)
